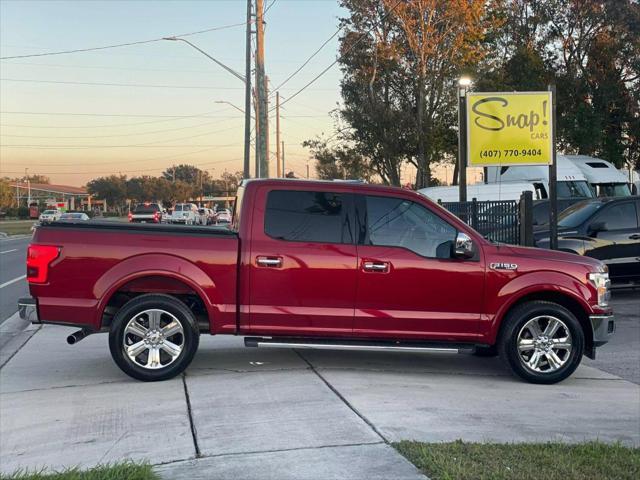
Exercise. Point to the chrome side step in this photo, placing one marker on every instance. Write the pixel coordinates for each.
(336, 344)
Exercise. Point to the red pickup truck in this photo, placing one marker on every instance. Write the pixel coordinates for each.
(310, 264)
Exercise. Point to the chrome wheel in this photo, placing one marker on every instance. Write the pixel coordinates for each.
(153, 339)
(544, 344)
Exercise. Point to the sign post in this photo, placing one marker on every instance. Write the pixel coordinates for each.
(462, 141)
(553, 177)
(514, 129)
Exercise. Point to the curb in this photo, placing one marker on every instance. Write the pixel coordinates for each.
(14, 334)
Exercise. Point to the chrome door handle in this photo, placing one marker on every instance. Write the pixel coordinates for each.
(369, 266)
(273, 262)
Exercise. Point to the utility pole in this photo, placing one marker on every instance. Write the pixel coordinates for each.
(174, 173)
(261, 86)
(284, 172)
(279, 172)
(256, 108)
(247, 97)
(307, 169)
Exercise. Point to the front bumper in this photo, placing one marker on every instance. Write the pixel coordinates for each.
(28, 309)
(603, 327)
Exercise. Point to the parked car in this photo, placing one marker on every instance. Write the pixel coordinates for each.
(607, 229)
(311, 264)
(186, 213)
(146, 213)
(74, 216)
(49, 216)
(223, 216)
(206, 216)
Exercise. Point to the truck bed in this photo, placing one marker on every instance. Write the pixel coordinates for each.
(102, 263)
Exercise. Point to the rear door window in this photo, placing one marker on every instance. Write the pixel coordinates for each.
(308, 216)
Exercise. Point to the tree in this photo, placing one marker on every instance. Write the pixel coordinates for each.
(113, 189)
(39, 179)
(591, 51)
(338, 162)
(187, 173)
(442, 38)
(375, 118)
(7, 194)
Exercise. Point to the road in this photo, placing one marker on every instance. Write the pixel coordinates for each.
(13, 252)
(621, 356)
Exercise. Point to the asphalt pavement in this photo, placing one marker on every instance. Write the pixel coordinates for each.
(13, 285)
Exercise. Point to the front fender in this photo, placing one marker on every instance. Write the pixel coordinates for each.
(164, 265)
(534, 283)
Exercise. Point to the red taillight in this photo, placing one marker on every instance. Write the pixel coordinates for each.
(39, 257)
(156, 217)
(130, 216)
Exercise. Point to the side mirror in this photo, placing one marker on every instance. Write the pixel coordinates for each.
(596, 227)
(464, 246)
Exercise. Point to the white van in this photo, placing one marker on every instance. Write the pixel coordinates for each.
(186, 213)
(482, 192)
(571, 181)
(603, 177)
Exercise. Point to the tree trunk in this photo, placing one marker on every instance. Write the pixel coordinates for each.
(422, 178)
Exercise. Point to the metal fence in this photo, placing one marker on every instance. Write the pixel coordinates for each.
(496, 220)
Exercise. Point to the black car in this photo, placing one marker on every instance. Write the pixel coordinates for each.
(604, 228)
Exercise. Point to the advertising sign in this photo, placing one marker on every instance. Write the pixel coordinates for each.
(509, 129)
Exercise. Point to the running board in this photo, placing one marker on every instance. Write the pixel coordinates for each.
(338, 344)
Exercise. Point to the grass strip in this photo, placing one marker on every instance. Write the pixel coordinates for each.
(523, 461)
(116, 471)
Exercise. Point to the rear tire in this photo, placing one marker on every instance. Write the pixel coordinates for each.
(541, 342)
(153, 337)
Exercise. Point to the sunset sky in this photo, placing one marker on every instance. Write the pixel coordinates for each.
(139, 109)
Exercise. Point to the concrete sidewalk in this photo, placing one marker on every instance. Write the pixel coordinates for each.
(249, 413)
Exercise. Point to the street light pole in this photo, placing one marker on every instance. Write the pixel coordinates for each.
(463, 83)
(247, 82)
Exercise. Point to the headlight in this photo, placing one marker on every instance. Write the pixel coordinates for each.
(601, 281)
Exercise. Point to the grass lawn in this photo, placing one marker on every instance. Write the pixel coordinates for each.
(15, 227)
(123, 471)
(551, 461)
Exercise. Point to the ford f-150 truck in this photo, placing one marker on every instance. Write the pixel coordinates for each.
(310, 264)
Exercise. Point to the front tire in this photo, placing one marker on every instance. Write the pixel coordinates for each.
(541, 342)
(153, 337)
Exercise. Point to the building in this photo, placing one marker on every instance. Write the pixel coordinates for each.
(61, 196)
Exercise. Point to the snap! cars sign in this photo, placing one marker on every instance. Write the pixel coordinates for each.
(509, 129)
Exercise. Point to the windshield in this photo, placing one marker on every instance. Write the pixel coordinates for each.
(613, 190)
(181, 207)
(49, 212)
(576, 214)
(151, 208)
(574, 189)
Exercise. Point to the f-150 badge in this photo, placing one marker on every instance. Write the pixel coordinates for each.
(503, 266)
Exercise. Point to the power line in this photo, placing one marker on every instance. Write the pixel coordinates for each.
(307, 60)
(148, 159)
(107, 84)
(63, 52)
(340, 57)
(143, 85)
(140, 145)
(111, 172)
(120, 134)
